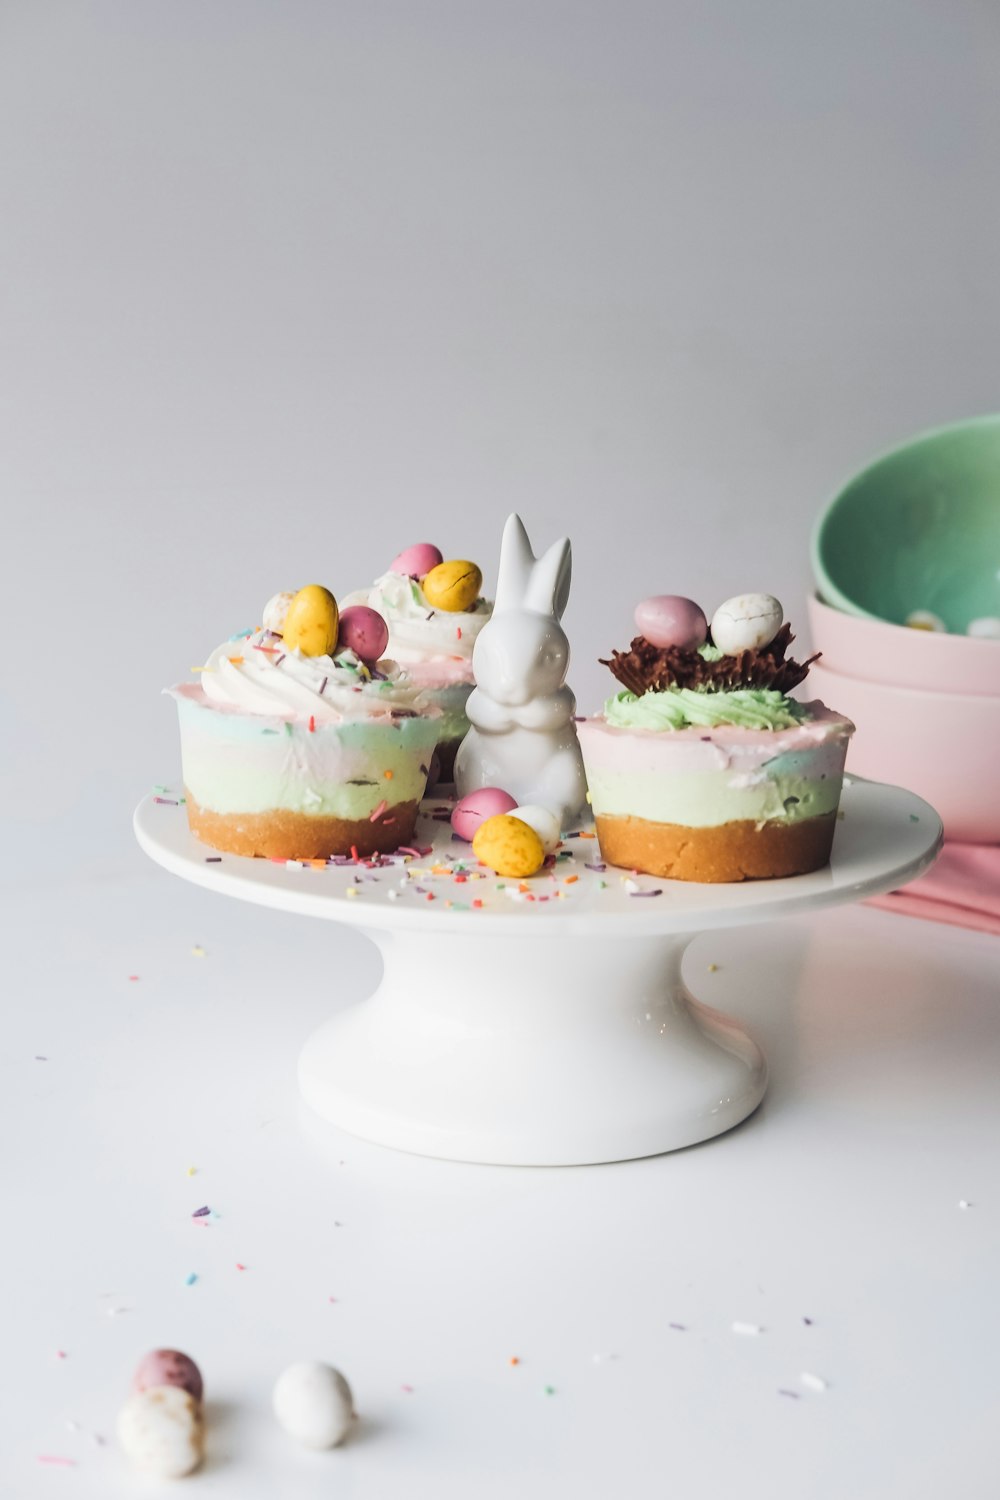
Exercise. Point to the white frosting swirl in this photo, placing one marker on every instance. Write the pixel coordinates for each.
(417, 631)
(258, 676)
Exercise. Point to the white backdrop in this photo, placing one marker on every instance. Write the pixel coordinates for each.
(285, 286)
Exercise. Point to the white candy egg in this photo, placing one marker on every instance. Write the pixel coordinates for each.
(987, 628)
(747, 622)
(313, 1403)
(925, 619)
(275, 611)
(161, 1431)
(543, 821)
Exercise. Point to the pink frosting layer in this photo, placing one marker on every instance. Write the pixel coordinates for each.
(609, 748)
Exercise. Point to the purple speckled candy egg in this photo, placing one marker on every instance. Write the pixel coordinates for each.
(670, 620)
(474, 809)
(363, 631)
(417, 561)
(168, 1367)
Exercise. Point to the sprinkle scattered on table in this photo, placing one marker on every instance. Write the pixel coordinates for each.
(813, 1382)
(750, 1330)
(191, 1278)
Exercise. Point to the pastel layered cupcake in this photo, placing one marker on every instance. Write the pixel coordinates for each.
(300, 741)
(702, 767)
(434, 610)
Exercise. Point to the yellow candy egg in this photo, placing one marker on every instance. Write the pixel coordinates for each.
(312, 621)
(508, 846)
(453, 586)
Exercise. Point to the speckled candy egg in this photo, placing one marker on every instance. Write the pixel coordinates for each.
(416, 561)
(925, 619)
(453, 586)
(168, 1367)
(363, 631)
(747, 622)
(671, 620)
(509, 846)
(313, 1403)
(474, 809)
(275, 611)
(162, 1432)
(545, 823)
(312, 621)
(987, 628)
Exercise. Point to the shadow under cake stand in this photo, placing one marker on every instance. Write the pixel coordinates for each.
(546, 1024)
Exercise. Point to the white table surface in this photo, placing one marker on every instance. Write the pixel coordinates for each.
(839, 1201)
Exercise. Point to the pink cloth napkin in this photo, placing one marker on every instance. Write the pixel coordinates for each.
(962, 887)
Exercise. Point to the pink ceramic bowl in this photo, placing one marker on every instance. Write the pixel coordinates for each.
(943, 746)
(875, 651)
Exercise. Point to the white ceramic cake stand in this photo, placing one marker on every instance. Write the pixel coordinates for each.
(545, 1031)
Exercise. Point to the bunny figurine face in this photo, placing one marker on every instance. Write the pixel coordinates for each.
(523, 737)
(525, 656)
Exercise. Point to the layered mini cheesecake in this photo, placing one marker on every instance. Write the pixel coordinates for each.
(295, 753)
(434, 610)
(703, 768)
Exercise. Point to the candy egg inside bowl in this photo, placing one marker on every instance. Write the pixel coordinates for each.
(918, 530)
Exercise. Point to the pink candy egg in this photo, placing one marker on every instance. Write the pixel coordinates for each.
(363, 631)
(474, 809)
(670, 620)
(416, 561)
(168, 1367)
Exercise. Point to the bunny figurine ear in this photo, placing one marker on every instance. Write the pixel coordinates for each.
(548, 590)
(516, 563)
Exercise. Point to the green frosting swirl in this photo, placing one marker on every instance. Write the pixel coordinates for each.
(677, 708)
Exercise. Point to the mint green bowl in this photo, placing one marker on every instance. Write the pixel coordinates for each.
(918, 529)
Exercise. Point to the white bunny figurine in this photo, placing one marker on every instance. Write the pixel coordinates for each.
(523, 738)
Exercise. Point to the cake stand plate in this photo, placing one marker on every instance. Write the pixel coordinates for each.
(542, 1022)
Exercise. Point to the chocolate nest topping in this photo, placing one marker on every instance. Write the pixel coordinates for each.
(645, 667)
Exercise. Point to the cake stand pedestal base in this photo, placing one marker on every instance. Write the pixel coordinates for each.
(524, 1051)
(542, 1023)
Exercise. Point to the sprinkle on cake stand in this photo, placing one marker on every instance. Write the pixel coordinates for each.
(544, 1021)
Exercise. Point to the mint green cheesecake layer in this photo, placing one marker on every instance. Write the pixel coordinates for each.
(680, 708)
(239, 763)
(242, 789)
(705, 799)
(453, 723)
